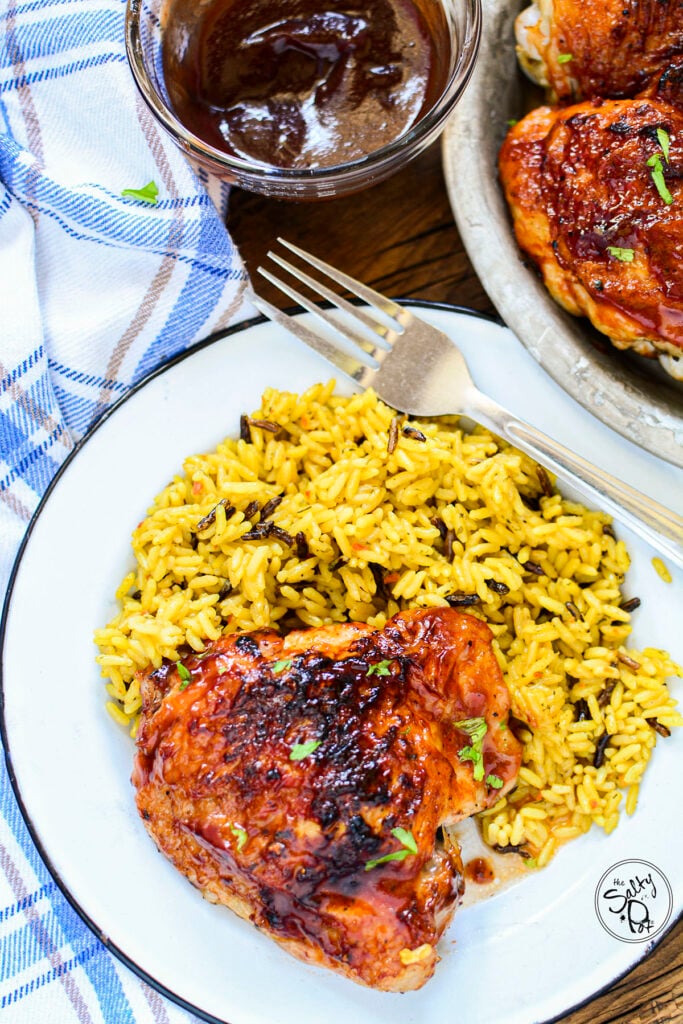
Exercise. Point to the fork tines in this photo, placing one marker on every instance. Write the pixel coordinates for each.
(371, 317)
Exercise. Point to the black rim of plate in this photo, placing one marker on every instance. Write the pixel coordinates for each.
(71, 899)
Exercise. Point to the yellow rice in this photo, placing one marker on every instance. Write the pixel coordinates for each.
(560, 637)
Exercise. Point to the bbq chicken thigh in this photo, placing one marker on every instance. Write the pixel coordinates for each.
(596, 194)
(579, 49)
(304, 781)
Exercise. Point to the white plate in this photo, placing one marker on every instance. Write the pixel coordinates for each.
(528, 954)
(630, 394)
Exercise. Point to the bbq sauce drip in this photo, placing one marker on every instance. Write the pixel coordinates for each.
(480, 871)
(299, 84)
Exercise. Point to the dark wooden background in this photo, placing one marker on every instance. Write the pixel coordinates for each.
(400, 237)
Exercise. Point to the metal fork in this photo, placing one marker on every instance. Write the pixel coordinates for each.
(417, 369)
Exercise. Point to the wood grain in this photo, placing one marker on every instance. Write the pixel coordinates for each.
(400, 237)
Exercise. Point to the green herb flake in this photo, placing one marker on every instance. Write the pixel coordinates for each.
(407, 841)
(280, 666)
(301, 750)
(405, 838)
(530, 862)
(625, 255)
(503, 726)
(184, 675)
(240, 835)
(564, 58)
(511, 122)
(494, 781)
(473, 754)
(380, 668)
(663, 140)
(149, 193)
(397, 855)
(657, 174)
(476, 729)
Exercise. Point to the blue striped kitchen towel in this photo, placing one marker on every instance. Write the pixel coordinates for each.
(96, 289)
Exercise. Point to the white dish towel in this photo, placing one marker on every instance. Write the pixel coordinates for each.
(96, 289)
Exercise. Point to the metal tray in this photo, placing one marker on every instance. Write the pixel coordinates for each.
(631, 394)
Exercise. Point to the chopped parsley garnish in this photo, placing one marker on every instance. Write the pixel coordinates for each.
(240, 835)
(530, 862)
(149, 193)
(655, 165)
(663, 140)
(474, 727)
(625, 255)
(512, 122)
(564, 58)
(280, 666)
(473, 754)
(301, 750)
(494, 781)
(476, 730)
(406, 837)
(380, 668)
(407, 841)
(184, 675)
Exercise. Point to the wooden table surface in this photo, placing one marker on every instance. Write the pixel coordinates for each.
(400, 237)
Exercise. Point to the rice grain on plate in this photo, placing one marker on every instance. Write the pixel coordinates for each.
(329, 508)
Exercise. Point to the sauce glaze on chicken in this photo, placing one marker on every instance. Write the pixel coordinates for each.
(304, 781)
(594, 188)
(580, 49)
(596, 203)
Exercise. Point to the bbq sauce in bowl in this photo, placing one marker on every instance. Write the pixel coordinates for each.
(300, 84)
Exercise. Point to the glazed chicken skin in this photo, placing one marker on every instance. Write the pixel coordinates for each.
(667, 87)
(596, 196)
(303, 781)
(580, 49)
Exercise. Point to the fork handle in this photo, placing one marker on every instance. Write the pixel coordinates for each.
(655, 523)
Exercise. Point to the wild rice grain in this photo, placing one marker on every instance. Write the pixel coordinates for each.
(394, 428)
(301, 546)
(270, 506)
(210, 517)
(544, 481)
(462, 600)
(658, 727)
(600, 748)
(267, 425)
(581, 712)
(627, 661)
(606, 693)
(497, 587)
(441, 527)
(378, 576)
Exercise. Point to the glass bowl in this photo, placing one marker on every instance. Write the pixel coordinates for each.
(145, 21)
